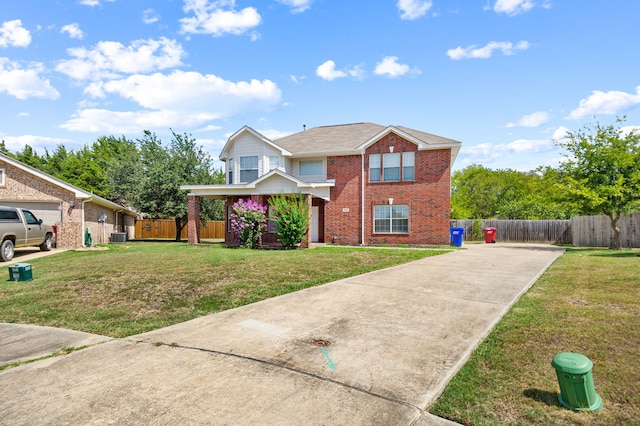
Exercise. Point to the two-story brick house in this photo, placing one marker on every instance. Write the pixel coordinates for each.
(366, 184)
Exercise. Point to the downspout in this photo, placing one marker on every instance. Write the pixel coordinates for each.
(362, 243)
(82, 221)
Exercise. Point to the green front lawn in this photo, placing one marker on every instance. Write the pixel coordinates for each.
(140, 286)
(587, 302)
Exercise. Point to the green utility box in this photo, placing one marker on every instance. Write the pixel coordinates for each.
(577, 391)
(20, 272)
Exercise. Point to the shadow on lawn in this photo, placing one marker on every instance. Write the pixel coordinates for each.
(546, 397)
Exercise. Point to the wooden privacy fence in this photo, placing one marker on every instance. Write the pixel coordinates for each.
(581, 231)
(596, 231)
(522, 231)
(147, 228)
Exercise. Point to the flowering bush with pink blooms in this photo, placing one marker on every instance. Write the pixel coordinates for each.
(248, 222)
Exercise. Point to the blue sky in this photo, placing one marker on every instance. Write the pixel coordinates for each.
(504, 77)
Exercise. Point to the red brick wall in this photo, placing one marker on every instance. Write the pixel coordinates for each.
(427, 197)
(342, 214)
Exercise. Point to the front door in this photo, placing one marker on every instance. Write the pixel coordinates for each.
(315, 222)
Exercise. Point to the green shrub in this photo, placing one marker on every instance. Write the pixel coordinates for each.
(291, 214)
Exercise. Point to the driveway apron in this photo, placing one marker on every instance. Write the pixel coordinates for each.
(377, 348)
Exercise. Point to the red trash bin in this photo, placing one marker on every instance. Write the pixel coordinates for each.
(489, 235)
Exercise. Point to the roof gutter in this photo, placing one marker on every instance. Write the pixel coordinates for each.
(362, 243)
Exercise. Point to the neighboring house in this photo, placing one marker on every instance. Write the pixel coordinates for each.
(366, 183)
(56, 202)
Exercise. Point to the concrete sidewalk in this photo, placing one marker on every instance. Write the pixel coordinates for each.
(373, 349)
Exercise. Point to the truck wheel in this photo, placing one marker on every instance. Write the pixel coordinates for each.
(47, 244)
(6, 250)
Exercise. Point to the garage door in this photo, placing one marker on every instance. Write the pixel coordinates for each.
(48, 212)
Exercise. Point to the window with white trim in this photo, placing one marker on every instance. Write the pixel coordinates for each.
(391, 167)
(391, 219)
(408, 169)
(248, 168)
(374, 168)
(1, 177)
(311, 168)
(230, 165)
(274, 162)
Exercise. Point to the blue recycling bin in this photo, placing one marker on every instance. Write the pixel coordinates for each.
(456, 236)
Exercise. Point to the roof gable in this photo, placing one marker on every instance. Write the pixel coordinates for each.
(226, 150)
(78, 192)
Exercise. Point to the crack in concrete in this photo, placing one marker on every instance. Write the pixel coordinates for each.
(293, 370)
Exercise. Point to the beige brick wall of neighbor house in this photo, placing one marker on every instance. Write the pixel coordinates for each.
(114, 222)
(22, 186)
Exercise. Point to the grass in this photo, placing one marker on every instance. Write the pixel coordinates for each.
(588, 302)
(131, 288)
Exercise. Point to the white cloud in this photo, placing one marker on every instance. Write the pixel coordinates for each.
(610, 102)
(17, 143)
(626, 130)
(177, 99)
(413, 9)
(218, 18)
(390, 67)
(149, 16)
(560, 133)
(530, 120)
(73, 30)
(513, 7)
(25, 83)
(297, 6)
(520, 154)
(327, 71)
(12, 33)
(110, 59)
(523, 146)
(92, 3)
(506, 47)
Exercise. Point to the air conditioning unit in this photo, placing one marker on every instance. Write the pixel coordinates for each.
(118, 237)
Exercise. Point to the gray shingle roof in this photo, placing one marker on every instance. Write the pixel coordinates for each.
(345, 138)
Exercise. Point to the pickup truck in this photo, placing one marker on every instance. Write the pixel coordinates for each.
(21, 228)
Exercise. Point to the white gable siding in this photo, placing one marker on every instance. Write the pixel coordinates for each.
(247, 145)
(277, 185)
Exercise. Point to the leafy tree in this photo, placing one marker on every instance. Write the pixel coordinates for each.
(120, 159)
(164, 170)
(30, 157)
(248, 220)
(602, 171)
(479, 192)
(291, 214)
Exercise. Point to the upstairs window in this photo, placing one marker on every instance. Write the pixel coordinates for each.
(311, 168)
(392, 167)
(391, 164)
(274, 162)
(408, 172)
(248, 168)
(230, 164)
(374, 168)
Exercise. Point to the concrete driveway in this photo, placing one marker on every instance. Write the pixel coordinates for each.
(378, 348)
